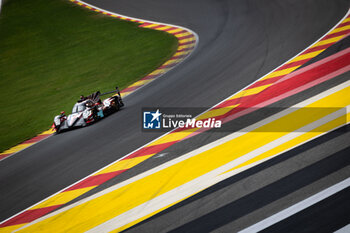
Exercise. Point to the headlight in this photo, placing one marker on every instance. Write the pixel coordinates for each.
(86, 114)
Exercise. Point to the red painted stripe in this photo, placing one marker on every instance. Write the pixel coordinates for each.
(4, 156)
(178, 57)
(145, 24)
(37, 138)
(186, 43)
(128, 89)
(158, 26)
(345, 32)
(168, 29)
(292, 64)
(167, 66)
(149, 77)
(290, 84)
(95, 180)
(175, 33)
(185, 37)
(185, 49)
(343, 24)
(314, 49)
(29, 215)
(265, 82)
(295, 80)
(150, 150)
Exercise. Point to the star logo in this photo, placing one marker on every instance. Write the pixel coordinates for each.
(156, 115)
(152, 119)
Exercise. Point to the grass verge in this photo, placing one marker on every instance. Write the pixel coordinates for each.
(53, 51)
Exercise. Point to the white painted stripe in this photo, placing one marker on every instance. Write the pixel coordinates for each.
(201, 182)
(214, 176)
(297, 207)
(345, 229)
(30, 207)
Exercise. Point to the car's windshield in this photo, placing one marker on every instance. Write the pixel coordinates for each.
(78, 108)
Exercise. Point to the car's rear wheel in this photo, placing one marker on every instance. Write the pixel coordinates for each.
(116, 106)
(58, 131)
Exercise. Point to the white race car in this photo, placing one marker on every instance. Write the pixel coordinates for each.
(88, 110)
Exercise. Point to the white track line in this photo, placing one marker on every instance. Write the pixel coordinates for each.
(197, 40)
(208, 179)
(345, 229)
(202, 182)
(297, 207)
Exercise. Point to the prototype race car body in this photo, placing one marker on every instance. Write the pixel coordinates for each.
(87, 111)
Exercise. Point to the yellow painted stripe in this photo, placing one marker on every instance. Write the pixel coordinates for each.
(151, 26)
(171, 61)
(49, 131)
(24, 145)
(175, 30)
(346, 20)
(280, 72)
(17, 148)
(11, 228)
(185, 46)
(141, 82)
(328, 41)
(159, 71)
(164, 28)
(183, 34)
(248, 92)
(123, 94)
(172, 137)
(63, 198)
(190, 39)
(181, 53)
(307, 56)
(296, 141)
(99, 210)
(124, 164)
(216, 112)
(341, 29)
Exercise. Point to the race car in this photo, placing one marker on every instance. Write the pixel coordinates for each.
(88, 110)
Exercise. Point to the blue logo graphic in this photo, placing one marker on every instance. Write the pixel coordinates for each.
(151, 120)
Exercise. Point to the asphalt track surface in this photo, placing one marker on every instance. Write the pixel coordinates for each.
(239, 41)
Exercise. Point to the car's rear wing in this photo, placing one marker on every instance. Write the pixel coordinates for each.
(110, 92)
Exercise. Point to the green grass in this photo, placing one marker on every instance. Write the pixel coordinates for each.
(52, 51)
